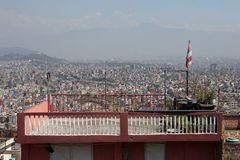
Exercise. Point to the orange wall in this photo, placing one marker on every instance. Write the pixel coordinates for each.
(42, 107)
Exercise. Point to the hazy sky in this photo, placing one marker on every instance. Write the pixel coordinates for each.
(98, 29)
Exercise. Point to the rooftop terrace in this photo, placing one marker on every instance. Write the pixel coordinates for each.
(114, 118)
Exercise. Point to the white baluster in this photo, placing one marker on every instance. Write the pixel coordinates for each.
(202, 124)
(83, 128)
(78, 124)
(171, 121)
(39, 124)
(66, 129)
(86, 120)
(158, 124)
(74, 125)
(111, 125)
(115, 129)
(155, 124)
(35, 125)
(95, 127)
(104, 125)
(147, 126)
(151, 125)
(179, 124)
(167, 124)
(175, 123)
(195, 124)
(131, 125)
(206, 117)
(214, 124)
(199, 124)
(70, 125)
(52, 125)
(43, 125)
(190, 124)
(143, 125)
(183, 124)
(100, 125)
(210, 124)
(135, 125)
(162, 124)
(30, 125)
(48, 125)
(56, 121)
(107, 124)
(186, 120)
(140, 125)
(61, 125)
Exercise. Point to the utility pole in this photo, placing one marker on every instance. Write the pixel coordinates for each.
(165, 88)
(218, 97)
(105, 91)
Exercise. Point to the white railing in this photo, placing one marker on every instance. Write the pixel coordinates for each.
(71, 125)
(171, 124)
(115, 124)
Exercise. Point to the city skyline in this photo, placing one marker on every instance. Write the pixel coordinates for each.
(79, 30)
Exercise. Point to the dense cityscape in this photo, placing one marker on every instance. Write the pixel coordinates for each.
(24, 83)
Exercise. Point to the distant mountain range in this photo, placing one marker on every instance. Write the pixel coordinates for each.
(19, 53)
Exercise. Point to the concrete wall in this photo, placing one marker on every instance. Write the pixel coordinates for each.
(231, 122)
(231, 128)
(154, 151)
(231, 151)
(71, 152)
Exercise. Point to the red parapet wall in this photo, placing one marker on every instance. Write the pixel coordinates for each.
(88, 127)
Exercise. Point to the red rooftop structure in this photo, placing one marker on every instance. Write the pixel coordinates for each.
(115, 127)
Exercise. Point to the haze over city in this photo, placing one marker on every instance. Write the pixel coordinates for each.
(135, 30)
(119, 80)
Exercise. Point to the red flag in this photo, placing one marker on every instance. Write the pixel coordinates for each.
(189, 55)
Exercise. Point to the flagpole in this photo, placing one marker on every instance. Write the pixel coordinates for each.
(187, 81)
(188, 63)
(105, 91)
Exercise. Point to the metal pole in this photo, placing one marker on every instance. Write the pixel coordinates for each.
(218, 98)
(105, 98)
(165, 89)
(187, 82)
